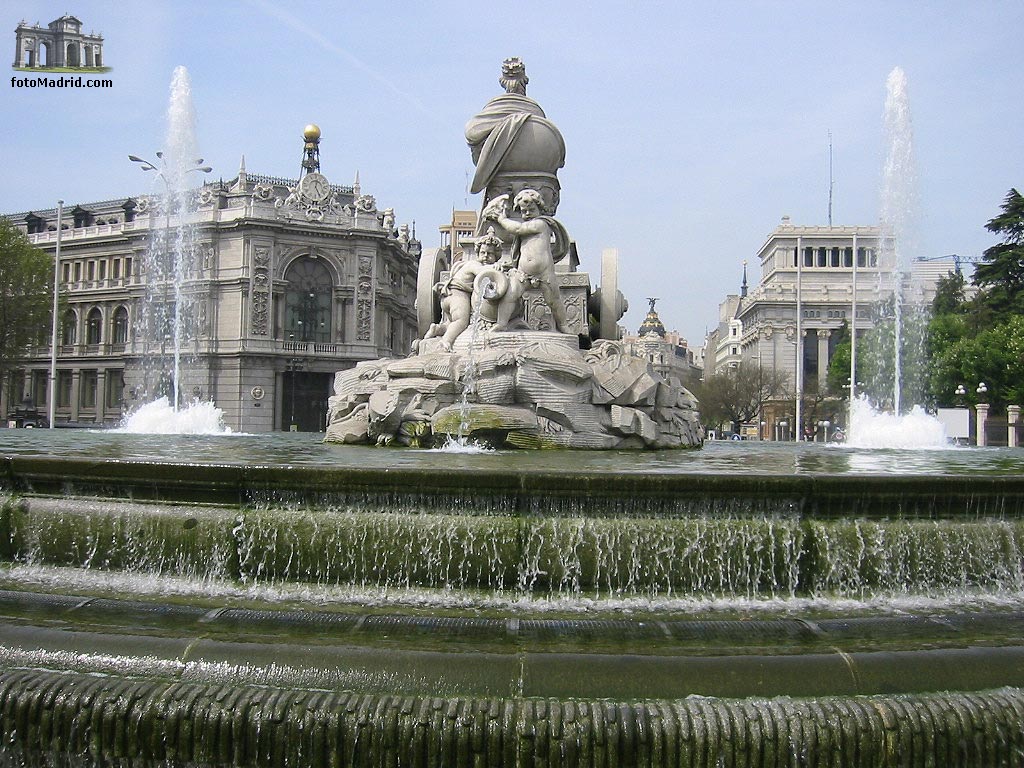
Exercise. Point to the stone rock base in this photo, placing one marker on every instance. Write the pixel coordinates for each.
(522, 389)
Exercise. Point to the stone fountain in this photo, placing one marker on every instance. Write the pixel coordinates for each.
(517, 350)
(273, 602)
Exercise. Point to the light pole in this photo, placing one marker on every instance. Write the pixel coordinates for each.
(171, 269)
(294, 365)
(982, 413)
(54, 328)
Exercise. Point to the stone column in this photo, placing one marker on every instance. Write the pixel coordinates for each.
(982, 410)
(823, 357)
(1012, 418)
(76, 393)
(101, 395)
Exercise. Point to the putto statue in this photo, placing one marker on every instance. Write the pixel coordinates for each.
(517, 348)
(457, 291)
(538, 242)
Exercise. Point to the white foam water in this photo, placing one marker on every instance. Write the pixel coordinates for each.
(160, 418)
(875, 429)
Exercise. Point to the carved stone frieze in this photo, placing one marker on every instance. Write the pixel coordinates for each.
(364, 299)
(260, 314)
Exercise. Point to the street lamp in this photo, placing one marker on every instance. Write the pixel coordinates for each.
(982, 390)
(161, 172)
(294, 365)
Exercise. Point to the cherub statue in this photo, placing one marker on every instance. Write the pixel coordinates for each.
(457, 290)
(533, 262)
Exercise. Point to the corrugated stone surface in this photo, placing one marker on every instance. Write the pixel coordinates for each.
(61, 718)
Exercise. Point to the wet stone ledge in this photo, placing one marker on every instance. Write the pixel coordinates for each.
(68, 719)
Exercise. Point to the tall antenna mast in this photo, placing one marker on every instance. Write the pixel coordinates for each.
(830, 182)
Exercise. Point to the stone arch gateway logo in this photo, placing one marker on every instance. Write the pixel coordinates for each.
(60, 46)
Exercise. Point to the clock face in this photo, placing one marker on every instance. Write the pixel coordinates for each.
(315, 186)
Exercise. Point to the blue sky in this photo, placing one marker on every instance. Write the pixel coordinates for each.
(691, 129)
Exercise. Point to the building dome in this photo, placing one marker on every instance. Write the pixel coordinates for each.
(652, 323)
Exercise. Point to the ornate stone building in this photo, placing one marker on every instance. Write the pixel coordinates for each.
(667, 351)
(288, 282)
(61, 43)
(813, 280)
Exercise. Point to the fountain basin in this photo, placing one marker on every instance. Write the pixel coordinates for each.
(509, 612)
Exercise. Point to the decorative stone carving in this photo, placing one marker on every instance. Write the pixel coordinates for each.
(260, 313)
(262, 193)
(498, 361)
(366, 204)
(531, 389)
(513, 144)
(458, 290)
(538, 242)
(312, 200)
(206, 198)
(364, 299)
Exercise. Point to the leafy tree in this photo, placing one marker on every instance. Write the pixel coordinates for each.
(1000, 275)
(839, 365)
(949, 295)
(982, 339)
(26, 277)
(738, 394)
(995, 356)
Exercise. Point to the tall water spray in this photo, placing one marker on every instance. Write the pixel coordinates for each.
(898, 215)
(168, 315)
(903, 358)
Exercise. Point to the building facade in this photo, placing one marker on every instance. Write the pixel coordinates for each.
(61, 43)
(814, 280)
(286, 282)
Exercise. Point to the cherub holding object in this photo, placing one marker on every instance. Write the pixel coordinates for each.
(457, 290)
(532, 259)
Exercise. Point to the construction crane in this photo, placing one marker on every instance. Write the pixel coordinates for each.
(957, 260)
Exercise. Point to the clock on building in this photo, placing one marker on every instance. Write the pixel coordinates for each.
(315, 187)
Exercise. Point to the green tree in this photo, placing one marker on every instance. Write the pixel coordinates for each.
(982, 339)
(1000, 275)
(26, 277)
(876, 357)
(738, 394)
(995, 356)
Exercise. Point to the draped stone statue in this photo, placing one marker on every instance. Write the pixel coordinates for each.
(513, 144)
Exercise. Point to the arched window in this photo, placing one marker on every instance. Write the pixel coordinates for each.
(307, 302)
(94, 326)
(69, 328)
(120, 326)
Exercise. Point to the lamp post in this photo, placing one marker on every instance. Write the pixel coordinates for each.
(54, 328)
(982, 410)
(293, 366)
(171, 268)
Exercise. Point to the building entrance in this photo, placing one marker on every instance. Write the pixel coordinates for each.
(304, 401)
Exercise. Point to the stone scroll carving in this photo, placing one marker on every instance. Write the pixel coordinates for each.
(261, 291)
